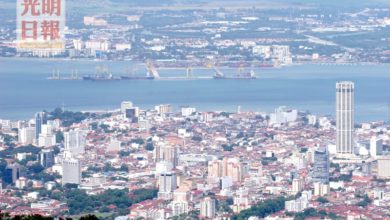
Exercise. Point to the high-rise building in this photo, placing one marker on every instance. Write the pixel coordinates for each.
(167, 184)
(297, 185)
(132, 113)
(167, 153)
(345, 117)
(163, 109)
(376, 146)
(26, 135)
(384, 167)
(178, 207)
(126, 105)
(40, 119)
(321, 189)
(207, 208)
(187, 111)
(228, 167)
(283, 115)
(71, 171)
(241, 200)
(320, 172)
(46, 158)
(74, 141)
(46, 137)
(12, 173)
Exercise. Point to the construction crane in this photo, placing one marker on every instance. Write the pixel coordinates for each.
(55, 74)
(74, 74)
(97, 71)
(218, 74)
(152, 71)
(190, 73)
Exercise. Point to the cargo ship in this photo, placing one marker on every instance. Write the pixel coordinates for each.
(102, 74)
(108, 77)
(151, 73)
(241, 75)
(137, 78)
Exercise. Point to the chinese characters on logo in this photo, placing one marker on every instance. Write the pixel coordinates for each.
(40, 23)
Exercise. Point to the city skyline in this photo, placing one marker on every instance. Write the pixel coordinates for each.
(194, 110)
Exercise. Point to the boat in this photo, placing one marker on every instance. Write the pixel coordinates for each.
(109, 77)
(102, 74)
(241, 75)
(137, 78)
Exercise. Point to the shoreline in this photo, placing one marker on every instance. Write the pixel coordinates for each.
(140, 62)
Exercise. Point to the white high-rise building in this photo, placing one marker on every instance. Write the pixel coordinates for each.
(74, 141)
(187, 111)
(179, 207)
(26, 135)
(207, 208)
(376, 146)
(163, 109)
(345, 117)
(283, 115)
(71, 171)
(321, 189)
(46, 138)
(384, 167)
(167, 184)
(126, 105)
(297, 185)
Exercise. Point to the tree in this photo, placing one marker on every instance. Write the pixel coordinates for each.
(89, 217)
(365, 202)
(59, 137)
(138, 141)
(227, 147)
(197, 138)
(123, 153)
(303, 150)
(322, 200)
(149, 146)
(124, 168)
(3, 165)
(262, 209)
(80, 202)
(67, 117)
(240, 135)
(35, 169)
(94, 126)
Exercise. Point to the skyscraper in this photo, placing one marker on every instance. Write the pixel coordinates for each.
(46, 158)
(376, 146)
(126, 105)
(345, 117)
(167, 184)
(227, 167)
(74, 141)
(40, 119)
(71, 169)
(167, 153)
(12, 173)
(26, 135)
(320, 172)
(207, 208)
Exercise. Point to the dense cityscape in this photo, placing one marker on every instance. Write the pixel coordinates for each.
(134, 163)
(230, 35)
(179, 161)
